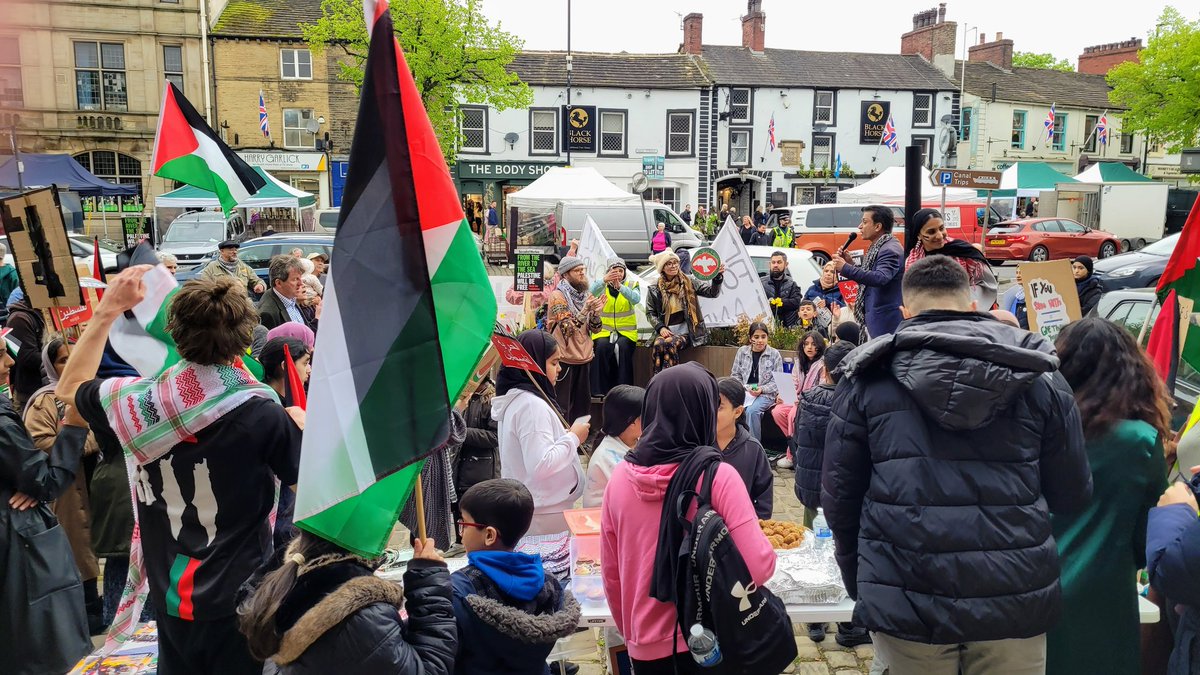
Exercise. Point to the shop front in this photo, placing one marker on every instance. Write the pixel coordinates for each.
(305, 171)
(481, 183)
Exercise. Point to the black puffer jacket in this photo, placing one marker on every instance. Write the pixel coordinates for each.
(342, 619)
(786, 290)
(951, 442)
(808, 442)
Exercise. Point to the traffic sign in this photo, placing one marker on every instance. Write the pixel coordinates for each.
(706, 263)
(977, 180)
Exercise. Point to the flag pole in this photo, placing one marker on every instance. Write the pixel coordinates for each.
(1146, 323)
(548, 400)
(419, 503)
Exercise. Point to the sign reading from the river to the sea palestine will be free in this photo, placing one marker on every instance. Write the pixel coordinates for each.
(872, 119)
(579, 128)
(528, 271)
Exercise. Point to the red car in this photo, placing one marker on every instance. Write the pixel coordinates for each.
(1041, 239)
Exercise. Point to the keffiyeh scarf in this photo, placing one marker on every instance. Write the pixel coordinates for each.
(860, 305)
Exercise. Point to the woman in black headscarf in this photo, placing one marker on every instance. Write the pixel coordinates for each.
(1087, 285)
(538, 449)
(637, 557)
(933, 240)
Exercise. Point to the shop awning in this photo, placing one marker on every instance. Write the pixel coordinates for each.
(61, 170)
(275, 194)
(1029, 179)
(1111, 172)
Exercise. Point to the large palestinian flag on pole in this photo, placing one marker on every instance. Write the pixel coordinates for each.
(186, 149)
(1182, 275)
(408, 312)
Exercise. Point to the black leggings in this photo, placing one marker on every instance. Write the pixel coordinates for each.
(684, 662)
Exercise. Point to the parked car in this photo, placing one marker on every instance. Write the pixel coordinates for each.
(1041, 239)
(194, 236)
(1137, 269)
(257, 253)
(83, 248)
(1132, 308)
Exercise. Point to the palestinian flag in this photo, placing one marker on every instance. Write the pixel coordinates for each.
(186, 149)
(1182, 275)
(1163, 348)
(408, 312)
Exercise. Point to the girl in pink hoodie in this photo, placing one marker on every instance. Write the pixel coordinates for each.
(679, 415)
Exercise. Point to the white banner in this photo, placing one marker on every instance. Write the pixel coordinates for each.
(742, 290)
(595, 250)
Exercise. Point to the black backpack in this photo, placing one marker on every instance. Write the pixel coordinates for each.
(714, 589)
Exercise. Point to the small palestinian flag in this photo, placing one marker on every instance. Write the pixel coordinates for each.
(1182, 275)
(186, 149)
(386, 370)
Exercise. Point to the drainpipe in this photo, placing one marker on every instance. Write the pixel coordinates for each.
(204, 61)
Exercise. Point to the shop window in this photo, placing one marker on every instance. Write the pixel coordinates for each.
(679, 133)
(612, 132)
(823, 107)
(100, 76)
(11, 91)
(822, 151)
(922, 110)
(295, 128)
(739, 105)
(739, 147)
(295, 64)
(113, 167)
(173, 65)
(472, 125)
(804, 194)
(1018, 129)
(543, 131)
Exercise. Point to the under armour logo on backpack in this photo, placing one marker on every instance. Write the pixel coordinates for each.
(743, 593)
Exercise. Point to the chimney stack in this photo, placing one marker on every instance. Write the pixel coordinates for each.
(692, 28)
(1100, 59)
(999, 52)
(932, 37)
(754, 26)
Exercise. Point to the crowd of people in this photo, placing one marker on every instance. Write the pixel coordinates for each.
(991, 495)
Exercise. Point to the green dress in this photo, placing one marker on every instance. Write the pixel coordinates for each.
(1101, 549)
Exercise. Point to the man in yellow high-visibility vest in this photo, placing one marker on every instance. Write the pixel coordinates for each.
(617, 336)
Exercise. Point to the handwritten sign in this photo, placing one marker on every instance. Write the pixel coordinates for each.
(1050, 297)
(66, 317)
(849, 291)
(742, 291)
(513, 355)
(528, 267)
(594, 250)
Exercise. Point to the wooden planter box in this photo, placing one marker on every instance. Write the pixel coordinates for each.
(718, 361)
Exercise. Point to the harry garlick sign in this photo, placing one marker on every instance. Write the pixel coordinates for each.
(579, 128)
(872, 119)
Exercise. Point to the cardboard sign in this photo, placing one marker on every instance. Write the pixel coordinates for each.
(706, 263)
(849, 291)
(513, 355)
(1051, 300)
(528, 266)
(37, 238)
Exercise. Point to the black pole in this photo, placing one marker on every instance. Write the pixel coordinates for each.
(912, 194)
(567, 121)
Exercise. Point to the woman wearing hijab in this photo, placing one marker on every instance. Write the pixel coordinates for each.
(43, 418)
(1089, 287)
(640, 535)
(932, 240)
(538, 449)
(673, 308)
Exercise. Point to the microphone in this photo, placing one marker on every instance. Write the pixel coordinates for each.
(849, 240)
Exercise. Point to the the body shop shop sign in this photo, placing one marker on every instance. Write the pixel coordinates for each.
(501, 170)
(579, 128)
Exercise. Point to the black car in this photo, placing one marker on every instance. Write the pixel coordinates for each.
(257, 253)
(1137, 269)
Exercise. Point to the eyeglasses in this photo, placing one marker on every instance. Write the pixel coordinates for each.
(460, 524)
(672, 263)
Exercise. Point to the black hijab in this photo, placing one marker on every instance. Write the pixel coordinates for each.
(678, 416)
(541, 346)
(955, 248)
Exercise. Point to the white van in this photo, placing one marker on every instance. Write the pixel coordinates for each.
(628, 227)
(195, 235)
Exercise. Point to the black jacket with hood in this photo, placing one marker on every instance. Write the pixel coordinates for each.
(808, 442)
(951, 442)
(786, 290)
(746, 455)
(340, 618)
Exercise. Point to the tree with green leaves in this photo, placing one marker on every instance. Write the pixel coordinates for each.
(456, 56)
(1044, 61)
(1161, 91)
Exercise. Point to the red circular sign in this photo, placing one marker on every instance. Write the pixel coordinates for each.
(706, 263)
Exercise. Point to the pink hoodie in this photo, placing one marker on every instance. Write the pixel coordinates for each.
(629, 537)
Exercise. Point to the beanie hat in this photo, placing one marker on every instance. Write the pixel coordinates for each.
(1086, 262)
(569, 263)
(660, 260)
(616, 261)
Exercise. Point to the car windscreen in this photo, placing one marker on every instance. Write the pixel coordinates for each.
(1164, 246)
(195, 232)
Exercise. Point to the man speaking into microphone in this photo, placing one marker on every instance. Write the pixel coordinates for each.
(878, 306)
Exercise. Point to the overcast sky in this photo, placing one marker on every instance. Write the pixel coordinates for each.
(1061, 28)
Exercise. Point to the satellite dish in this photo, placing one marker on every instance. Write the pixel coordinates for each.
(511, 137)
(640, 182)
(312, 126)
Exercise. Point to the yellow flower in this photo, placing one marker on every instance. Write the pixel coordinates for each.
(778, 302)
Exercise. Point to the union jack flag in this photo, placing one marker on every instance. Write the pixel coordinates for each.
(771, 132)
(262, 116)
(1102, 129)
(889, 137)
(1049, 123)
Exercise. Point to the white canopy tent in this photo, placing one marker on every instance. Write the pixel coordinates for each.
(888, 186)
(568, 184)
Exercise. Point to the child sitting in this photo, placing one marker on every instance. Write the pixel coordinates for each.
(509, 612)
(812, 318)
(622, 429)
(740, 449)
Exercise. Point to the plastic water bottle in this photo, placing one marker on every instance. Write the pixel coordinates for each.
(824, 535)
(703, 646)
